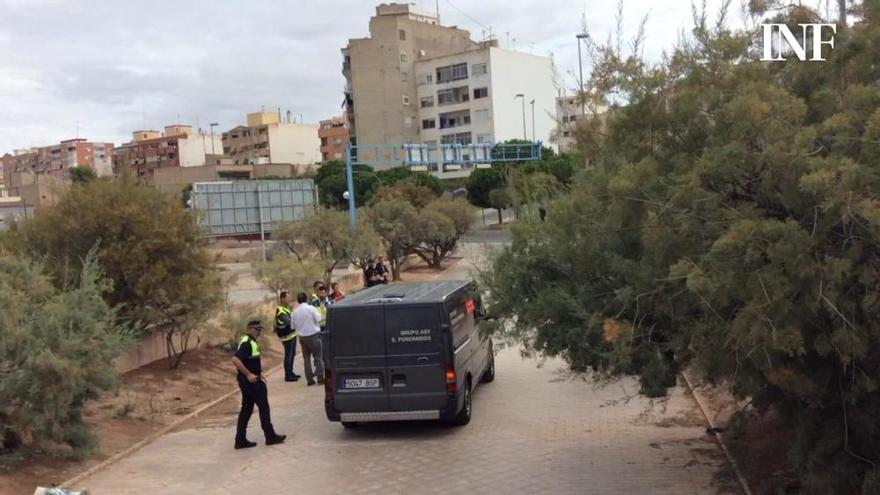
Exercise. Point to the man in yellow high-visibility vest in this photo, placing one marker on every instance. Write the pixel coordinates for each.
(287, 334)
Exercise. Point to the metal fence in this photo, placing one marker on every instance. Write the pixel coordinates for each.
(252, 207)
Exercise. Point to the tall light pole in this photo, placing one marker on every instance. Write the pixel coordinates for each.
(213, 125)
(534, 138)
(523, 97)
(580, 37)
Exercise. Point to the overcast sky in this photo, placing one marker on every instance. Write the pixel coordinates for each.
(108, 67)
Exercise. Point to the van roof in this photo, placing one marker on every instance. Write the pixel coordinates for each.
(406, 292)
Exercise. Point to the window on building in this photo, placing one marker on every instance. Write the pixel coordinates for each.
(564, 119)
(572, 118)
(481, 92)
(429, 124)
(451, 73)
(323, 141)
(484, 138)
(403, 57)
(479, 70)
(405, 99)
(402, 34)
(426, 101)
(566, 134)
(403, 76)
(457, 138)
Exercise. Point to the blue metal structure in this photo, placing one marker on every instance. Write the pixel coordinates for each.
(423, 155)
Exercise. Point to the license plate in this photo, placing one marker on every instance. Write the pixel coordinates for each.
(360, 383)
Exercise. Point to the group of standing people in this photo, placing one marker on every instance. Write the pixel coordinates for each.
(376, 272)
(303, 323)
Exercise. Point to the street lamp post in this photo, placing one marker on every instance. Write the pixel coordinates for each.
(213, 125)
(580, 37)
(523, 97)
(534, 138)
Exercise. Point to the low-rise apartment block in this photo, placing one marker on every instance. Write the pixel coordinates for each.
(178, 146)
(56, 160)
(268, 139)
(334, 138)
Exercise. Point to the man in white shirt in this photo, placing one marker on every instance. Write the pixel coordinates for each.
(306, 320)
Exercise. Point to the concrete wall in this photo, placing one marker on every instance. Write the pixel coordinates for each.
(532, 75)
(298, 144)
(194, 147)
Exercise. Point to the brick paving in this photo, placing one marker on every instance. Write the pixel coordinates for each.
(534, 431)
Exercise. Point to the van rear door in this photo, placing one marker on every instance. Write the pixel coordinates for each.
(357, 341)
(415, 348)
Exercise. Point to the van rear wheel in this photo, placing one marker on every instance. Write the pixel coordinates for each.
(489, 374)
(464, 416)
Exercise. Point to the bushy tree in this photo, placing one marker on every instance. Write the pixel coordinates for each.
(417, 196)
(730, 221)
(56, 352)
(331, 181)
(324, 235)
(150, 248)
(392, 221)
(79, 175)
(480, 185)
(286, 272)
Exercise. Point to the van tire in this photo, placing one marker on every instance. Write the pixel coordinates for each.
(464, 415)
(489, 374)
(348, 425)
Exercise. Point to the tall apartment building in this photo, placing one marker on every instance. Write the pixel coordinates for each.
(432, 84)
(178, 146)
(267, 139)
(380, 90)
(57, 159)
(334, 138)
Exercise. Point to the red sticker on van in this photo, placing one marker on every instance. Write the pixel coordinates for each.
(470, 306)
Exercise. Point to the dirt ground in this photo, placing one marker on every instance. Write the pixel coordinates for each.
(148, 399)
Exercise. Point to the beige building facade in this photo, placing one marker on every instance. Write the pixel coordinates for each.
(267, 139)
(380, 90)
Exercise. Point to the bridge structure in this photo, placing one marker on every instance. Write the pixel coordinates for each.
(432, 157)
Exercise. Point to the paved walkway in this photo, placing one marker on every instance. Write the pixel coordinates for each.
(534, 430)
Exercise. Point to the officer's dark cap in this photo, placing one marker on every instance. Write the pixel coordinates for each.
(255, 324)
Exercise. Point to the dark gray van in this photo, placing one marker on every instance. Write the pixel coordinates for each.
(408, 351)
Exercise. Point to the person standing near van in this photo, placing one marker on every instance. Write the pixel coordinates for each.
(381, 271)
(287, 335)
(253, 388)
(370, 274)
(322, 301)
(306, 320)
(336, 293)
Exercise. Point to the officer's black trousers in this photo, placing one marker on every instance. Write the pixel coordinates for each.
(253, 394)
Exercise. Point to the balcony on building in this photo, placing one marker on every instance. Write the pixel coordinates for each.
(452, 96)
(454, 119)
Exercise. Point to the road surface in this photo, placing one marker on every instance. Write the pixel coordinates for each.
(534, 430)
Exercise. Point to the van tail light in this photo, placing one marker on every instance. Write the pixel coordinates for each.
(328, 384)
(451, 381)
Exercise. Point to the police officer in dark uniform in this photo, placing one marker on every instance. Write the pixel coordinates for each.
(253, 388)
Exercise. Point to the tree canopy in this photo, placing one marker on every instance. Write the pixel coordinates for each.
(729, 222)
